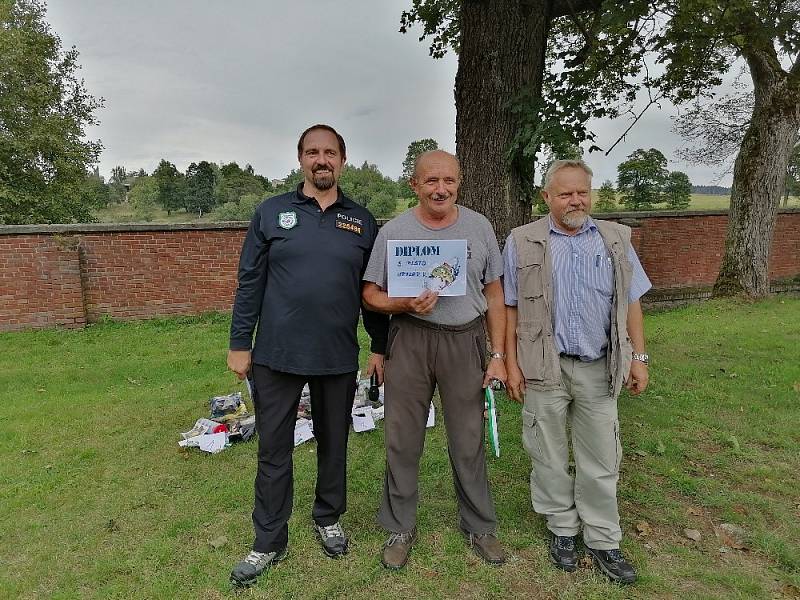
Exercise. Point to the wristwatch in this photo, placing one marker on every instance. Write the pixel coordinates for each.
(500, 355)
(643, 358)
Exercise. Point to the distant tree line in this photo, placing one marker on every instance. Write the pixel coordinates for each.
(230, 191)
(711, 190)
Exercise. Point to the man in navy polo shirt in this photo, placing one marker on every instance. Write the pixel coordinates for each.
(300, 276)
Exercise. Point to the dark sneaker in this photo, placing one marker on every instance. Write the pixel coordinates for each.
(486, 546)
(254, 564)
(396, 549)
(332, 539)
(613, 564)
(563, 553)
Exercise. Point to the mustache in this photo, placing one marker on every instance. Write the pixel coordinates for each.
(322, 168)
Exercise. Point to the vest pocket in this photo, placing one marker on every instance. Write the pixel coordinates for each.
(529, 280)
(530, 352)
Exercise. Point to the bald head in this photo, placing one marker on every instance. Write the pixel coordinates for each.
(434, 156)
(437, 175)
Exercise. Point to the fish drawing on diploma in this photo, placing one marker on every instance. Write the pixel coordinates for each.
(446, 274)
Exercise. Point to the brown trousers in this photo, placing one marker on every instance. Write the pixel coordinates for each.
(420, 356)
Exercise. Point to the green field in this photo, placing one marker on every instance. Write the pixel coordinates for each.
(96, 500)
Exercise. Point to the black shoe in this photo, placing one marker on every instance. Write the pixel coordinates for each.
(333, 539)
(254, 564)
(563, 553)
(613, 564)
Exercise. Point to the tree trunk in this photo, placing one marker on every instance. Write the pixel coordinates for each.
(501, 54)
(758, 179)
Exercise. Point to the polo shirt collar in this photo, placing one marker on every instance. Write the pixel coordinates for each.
(587, 225)
(301, 198)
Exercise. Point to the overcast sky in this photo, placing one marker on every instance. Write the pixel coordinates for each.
(238, 81)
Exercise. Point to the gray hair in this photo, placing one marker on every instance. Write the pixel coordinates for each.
(570, 163)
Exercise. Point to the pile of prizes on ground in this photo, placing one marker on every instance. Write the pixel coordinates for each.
(230, 419)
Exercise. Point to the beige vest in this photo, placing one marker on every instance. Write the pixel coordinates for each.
(536, 349)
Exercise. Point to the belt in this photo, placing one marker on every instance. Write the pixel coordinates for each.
(405, 318)
(572, 356)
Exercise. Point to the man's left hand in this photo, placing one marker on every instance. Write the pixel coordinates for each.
(496, 369)
(375, 365)
(637, 378)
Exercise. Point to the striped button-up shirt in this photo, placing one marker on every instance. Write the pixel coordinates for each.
(583, 288)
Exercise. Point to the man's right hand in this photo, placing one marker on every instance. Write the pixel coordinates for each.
(423, 304)
(515, 382)
(239, 362)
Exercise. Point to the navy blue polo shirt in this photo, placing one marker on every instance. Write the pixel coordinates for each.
(300, 280)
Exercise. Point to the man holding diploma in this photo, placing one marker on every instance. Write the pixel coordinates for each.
(438, 339)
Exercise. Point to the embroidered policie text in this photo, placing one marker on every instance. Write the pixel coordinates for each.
(349, 227)
(349, 223)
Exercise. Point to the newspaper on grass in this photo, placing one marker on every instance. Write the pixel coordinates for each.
(491, 422)
(303, 431)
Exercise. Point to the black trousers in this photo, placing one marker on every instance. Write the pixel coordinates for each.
(277, 396)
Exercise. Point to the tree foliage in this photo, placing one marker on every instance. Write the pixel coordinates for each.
(143, 197)
(714, 129)
(200, 180)
(171, 186)
(241, 210)
(44, 111)
(233, 182)
(677, 191)
(641, 179)
(416, 148)
(606, 197)
(94, 191)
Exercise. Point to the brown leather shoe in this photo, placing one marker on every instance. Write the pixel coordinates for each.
(396, 549)
(487, 546)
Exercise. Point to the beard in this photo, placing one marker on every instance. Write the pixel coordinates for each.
(574, 219)
(323, 181)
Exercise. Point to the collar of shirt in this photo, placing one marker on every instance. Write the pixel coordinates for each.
(587, 225)
(301, 198)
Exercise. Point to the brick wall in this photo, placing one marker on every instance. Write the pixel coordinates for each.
(69, 275)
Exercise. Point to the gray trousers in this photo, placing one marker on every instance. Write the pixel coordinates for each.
(591, 497)
(420, 356)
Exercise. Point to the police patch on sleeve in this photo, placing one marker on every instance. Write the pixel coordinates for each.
(287, 220)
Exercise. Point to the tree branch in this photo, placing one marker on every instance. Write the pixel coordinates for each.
(639, 116)
(562, 8)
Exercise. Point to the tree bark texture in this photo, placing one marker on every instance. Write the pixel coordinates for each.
(758, 181)
(502, 52)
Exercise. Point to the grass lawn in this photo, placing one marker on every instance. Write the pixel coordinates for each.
(711, 202)
(96, 500)
(124, 213)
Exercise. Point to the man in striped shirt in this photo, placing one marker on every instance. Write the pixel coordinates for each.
(575, 337)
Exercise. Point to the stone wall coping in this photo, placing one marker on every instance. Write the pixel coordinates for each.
(78, 228)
